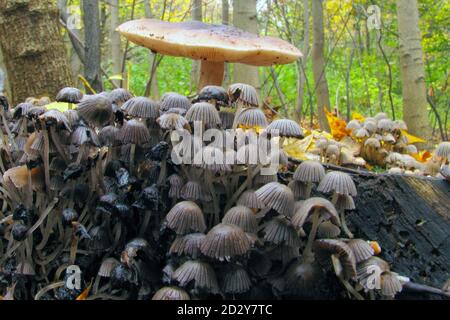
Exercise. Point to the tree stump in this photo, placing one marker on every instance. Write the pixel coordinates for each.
(409, 217)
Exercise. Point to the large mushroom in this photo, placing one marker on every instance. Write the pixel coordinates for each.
(214, 45)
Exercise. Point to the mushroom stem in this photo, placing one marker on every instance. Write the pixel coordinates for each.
(58, 144)
(210, 185)
(145, 222)
(73, 247)
(46, 156)
(242, 188)
(309, 186)
(211, 74)
(307, 254)
(132, 152)
(344, 224)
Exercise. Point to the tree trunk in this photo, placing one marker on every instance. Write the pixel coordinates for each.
(412, 69)
(33, 49)
(116, 51)
(410, 218)
(197, 15)
(92, 36)
(245, 18)
(301, 65)
(154, 90)
(226, 21)
(318, 60)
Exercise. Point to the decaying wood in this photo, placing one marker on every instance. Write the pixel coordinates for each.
(410, 218)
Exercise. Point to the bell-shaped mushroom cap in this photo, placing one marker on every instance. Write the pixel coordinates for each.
(141, 107)
(328, 230)
(244, 94)
(385, 124)
(324, 248)
(176, 182)
(188, 245)
(107, 267)
(353, 125)
(201, 273)
(372, 142)
(279, 230)
(227, 119)
(286, 128)
(173, 100)
(390, 284)
(365, 268)
(215, 43)
(171, 293)
(225, 241)
(96, 110)
(69, 95)
(186, 217)
(381, 116)
(109, 136)
(345, 203)
(250, 200)
(55, 117)
(205, 113)
(215, 94)
(309, 171)
(83, 135)
(236, 280)
(21, 110)
(338, 182)
(172, 121)
(119, 96)
(362, 133)
(72, 116)
(194, 191)
(298, 189)
(25, 268)
(361, 249)
(399, 125)
(242, 217)
(251, 118)
(277, 196)
(134, 132)
(443, 150)
(19, 177)
(325, 207)
(301, 276)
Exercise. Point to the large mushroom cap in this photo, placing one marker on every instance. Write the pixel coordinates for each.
(278, 197)
(184, 217)
(201, 41)
(225, 241)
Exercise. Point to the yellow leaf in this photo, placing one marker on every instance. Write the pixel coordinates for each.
(412, 139)
(85, 293)
(358, 116)
(422, 156)
(257, 129)
(61, 106)
(337, 126)
(116, 77)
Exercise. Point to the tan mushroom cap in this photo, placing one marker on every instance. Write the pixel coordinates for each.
(215, 43)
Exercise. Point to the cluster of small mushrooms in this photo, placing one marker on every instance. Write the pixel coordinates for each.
(97, 187)
(380, 141)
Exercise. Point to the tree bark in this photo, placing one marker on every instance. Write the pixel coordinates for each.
(301, 65)
(226, 21)
(412, 69)
(245, 18)
(410, 218)
(154, 90)
(116, 51)
(92, 36)
(318, 60)
(197, 15)
(33, 49)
